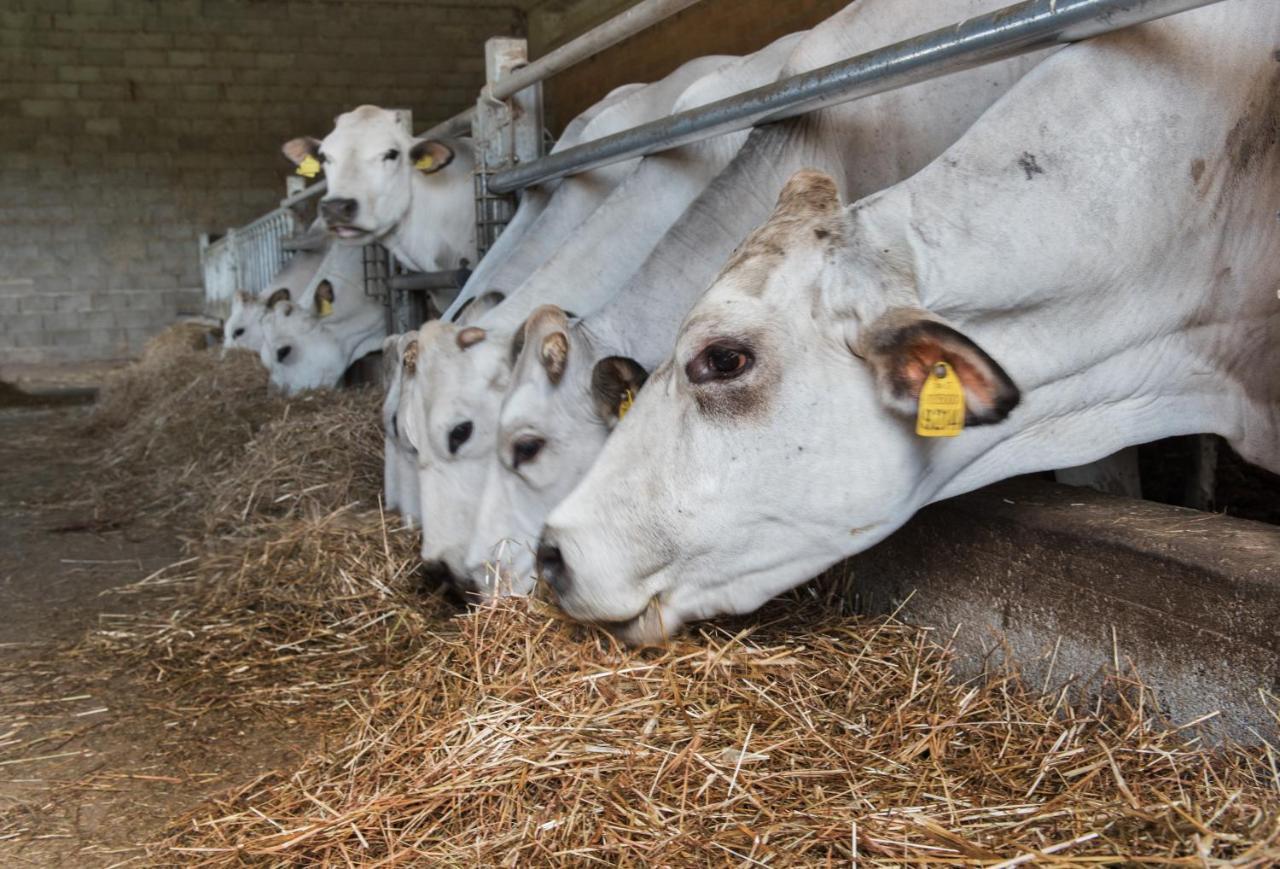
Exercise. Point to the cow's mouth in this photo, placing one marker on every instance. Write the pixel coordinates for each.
(646, 628)
(347, 231)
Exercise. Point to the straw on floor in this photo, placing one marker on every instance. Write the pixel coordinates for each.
(512, 738)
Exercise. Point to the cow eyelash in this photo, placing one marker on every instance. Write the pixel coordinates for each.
(393, 154)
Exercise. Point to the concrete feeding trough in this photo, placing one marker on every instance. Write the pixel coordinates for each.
(1067, 582)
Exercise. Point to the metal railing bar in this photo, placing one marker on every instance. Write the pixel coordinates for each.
(622, 26)
(1007, 32)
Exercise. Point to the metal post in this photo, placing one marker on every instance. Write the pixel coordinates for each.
(627, 24)
(1014, 30)
(507, 132)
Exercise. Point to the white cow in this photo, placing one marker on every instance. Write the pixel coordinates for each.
(415, 196)
(1096, 260)
(551, 429)
(463, 371)
(310, 344)
(243, 327)
(401, 488)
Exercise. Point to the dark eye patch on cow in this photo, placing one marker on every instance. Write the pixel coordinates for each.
(393, 154)
(238, 332)
(458, 436)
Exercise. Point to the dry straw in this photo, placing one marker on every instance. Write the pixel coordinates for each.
(512, 738)
(186, 427)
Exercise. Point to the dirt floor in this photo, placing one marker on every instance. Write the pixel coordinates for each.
(92, 763)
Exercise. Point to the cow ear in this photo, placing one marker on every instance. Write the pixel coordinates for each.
(554, 355)
(905, 345)
(300, 149)
(470, 336)
(280, 295)
(286, 309)
(615, 383)
(324, 298)
(409, 356)
(430, 155)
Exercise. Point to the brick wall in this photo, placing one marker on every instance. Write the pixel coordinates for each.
(128, 127)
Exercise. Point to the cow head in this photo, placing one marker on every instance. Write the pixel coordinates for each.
(779, 437)
(243, 327)
(461, 374)
(562, 401)
(298, 351)
(369, 161)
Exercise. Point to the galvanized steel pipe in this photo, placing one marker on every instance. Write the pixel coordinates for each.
(622, 26)
(1014, 30)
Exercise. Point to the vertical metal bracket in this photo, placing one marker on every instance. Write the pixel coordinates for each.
(506, 133)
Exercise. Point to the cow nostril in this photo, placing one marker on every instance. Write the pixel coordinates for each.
(283, 353)
(552, 568)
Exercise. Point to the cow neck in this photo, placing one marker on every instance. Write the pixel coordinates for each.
(419, 239)
(643, 319)
(1143, 322)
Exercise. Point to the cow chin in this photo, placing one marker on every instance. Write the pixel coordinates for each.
(655, 625)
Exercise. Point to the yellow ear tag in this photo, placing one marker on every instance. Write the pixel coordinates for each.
(425, 162)
(941, 413)
(309, 167)
(628, 399)
(326, 307)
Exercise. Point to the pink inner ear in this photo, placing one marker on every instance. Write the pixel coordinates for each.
(922, 356)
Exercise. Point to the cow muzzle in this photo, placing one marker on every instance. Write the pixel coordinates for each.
(338, 214)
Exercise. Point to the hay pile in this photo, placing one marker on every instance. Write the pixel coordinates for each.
(324, 454)
(512, 738)
(185, 426)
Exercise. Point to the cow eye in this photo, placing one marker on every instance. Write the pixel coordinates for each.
(458, 436)
(393, 154)
(720, 361)
(238, 332)
(526, 450)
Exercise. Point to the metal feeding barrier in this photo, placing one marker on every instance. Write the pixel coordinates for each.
(507, 128)
(1008, 32)
(249, 257)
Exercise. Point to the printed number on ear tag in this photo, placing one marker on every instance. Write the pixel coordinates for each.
(628, 399)
(326, 307)
(309, 167)
(941, 413)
